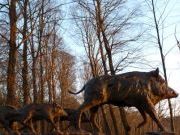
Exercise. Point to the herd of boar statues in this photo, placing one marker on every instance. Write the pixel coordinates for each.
(142, 90)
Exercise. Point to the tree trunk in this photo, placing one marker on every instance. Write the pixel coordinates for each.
(106, 128)
(52, 78)
(48, 79)
(124, 121)
(41, 27)
(53, 88)
(26, 92)
(163, 62)
(53, 56)
(34, 59)
(41, 80)
(108, 50)
(35, 93)
(99, 32)
(11, 73)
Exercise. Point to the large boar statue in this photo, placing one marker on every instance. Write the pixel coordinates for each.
(138, 89)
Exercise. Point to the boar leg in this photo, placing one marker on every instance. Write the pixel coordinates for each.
(7, 127)
(143, 114)
(149, 108)
(27, 121)
(93, 112)
(9, 131)
(84, 107)
(51, 120)
(31, 126)
(27, 117)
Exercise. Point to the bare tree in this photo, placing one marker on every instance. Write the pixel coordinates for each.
(65, 74)
(3, 56)
(41, 29)
(108, 23)
(159, 40)
(34, 55)
(34, 13)
(11, 72)
(26, 88)
(101, 25)
(93, 68)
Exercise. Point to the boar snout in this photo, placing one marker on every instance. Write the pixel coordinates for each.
(172, 93)
(176, 94)
(64, 113)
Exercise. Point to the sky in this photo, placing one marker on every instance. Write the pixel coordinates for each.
(171, 21)
(150, 50)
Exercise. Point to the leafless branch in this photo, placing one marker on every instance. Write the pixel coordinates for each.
(177, 41)
(4, 37)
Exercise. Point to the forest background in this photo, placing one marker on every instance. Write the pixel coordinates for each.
(48, 47)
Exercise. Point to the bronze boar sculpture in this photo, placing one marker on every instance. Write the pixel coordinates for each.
(138, 89)
(33, 112)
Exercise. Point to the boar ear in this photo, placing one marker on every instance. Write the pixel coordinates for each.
(155, 73)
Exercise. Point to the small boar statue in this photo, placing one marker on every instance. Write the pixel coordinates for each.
(33, 112)
(138, 89)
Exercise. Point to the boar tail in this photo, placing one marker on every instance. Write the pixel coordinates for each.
(77, 92)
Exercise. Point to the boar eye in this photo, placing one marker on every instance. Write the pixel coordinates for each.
(172, 92)
(162, 81)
